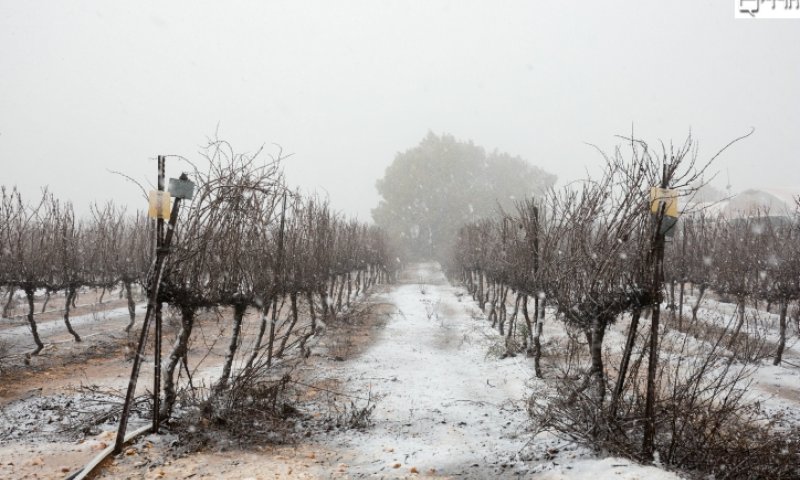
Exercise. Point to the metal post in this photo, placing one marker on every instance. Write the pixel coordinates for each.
(657, 259)
(278, 288)
(155, 283)
(157, 339)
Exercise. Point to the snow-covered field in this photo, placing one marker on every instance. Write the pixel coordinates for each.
(445, 406)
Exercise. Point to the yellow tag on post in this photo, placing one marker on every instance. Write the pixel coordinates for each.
(159, 204)
(668, 197)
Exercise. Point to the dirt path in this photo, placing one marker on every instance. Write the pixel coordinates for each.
(447, 406)
(442, 406)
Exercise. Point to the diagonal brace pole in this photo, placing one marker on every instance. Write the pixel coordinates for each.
(156, 277)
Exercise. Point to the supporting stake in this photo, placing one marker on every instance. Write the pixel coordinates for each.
(656, 286)
(157, 340)
(155, 283)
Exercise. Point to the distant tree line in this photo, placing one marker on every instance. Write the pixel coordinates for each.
(430, 190)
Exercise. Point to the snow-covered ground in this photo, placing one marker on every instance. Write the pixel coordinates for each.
(446, 406)
(57, 326)
(776, 388)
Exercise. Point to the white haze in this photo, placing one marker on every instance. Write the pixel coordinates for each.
(88, 87)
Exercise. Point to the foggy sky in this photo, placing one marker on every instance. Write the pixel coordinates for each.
(87, 87)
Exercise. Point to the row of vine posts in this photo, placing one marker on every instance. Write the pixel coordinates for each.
(242, 242)
(603, 249)
(45, 248)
